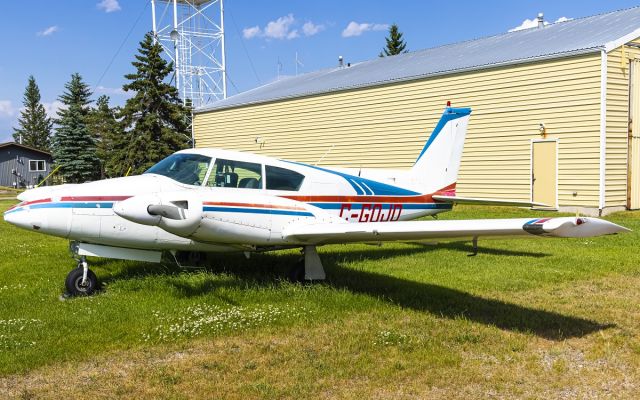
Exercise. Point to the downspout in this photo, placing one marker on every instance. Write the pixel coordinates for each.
(603, 127)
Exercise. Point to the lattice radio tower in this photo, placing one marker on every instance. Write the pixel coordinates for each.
(191, 33)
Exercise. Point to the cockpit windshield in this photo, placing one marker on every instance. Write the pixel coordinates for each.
(189, 169)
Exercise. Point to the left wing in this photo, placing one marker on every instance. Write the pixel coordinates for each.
(415, 230)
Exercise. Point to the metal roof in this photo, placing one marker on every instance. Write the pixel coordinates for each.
(7, 144)
(578, 36)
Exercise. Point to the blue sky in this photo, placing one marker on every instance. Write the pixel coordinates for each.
(53, 39)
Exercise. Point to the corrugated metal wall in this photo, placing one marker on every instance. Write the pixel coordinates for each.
(386, 126)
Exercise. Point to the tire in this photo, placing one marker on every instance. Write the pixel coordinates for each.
(296, 274)
(74, 286)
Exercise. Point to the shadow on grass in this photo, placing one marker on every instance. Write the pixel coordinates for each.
(271, 269)
(451, 303)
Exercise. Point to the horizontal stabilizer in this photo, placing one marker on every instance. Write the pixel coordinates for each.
(487, 202)
(417, 230)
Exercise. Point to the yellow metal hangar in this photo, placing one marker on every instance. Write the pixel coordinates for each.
(556, 113)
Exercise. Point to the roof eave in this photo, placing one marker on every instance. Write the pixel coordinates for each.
(7, 144)
(614, 44)
(571, 53)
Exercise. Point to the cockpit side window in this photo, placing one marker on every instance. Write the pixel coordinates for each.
(283, 179)
(185, 168)
(236, 174)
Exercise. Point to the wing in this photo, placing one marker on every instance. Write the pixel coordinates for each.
(415, 230)
(487, 202)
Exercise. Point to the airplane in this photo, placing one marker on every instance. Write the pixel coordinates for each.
(201, 201)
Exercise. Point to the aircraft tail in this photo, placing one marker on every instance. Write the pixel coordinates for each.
(436, 168)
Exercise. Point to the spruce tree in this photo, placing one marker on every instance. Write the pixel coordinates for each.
(395, 44)
(155, 121)
(74, 149)
(34, 127)
(105, 129)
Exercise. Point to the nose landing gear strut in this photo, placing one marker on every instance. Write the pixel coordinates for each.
(81, 281)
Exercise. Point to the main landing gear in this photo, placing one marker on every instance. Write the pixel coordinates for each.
(309, 268)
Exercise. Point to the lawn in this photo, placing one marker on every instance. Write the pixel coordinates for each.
(543, 318)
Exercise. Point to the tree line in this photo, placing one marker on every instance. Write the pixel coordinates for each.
(94, 141)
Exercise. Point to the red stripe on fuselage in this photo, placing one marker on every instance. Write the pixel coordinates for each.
(423, 198)
(94, 198)
(254, 205)
(26, 203)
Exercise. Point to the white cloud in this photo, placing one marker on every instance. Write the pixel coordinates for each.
(53, 107)
(279, 29)
(7, 110)
(250, 33)
(282, 28)
(49, 31)
(533, 23)
(109, 6)
(310, 29)
(356, 29)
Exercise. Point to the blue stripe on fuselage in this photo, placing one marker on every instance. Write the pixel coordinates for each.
(62, 205)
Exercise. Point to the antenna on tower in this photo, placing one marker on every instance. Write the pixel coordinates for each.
(191, 33)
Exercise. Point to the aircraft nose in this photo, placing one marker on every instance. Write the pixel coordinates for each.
(17, 217)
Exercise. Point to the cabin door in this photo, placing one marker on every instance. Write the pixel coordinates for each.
(544, 185)
(633, 174)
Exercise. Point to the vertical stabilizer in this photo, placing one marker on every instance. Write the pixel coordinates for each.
(439, 161)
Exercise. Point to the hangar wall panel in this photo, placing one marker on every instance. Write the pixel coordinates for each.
(386, 126)
(618, 69)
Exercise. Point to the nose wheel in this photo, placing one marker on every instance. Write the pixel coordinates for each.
(81, 281)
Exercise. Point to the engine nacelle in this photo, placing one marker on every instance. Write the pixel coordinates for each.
(179, 213)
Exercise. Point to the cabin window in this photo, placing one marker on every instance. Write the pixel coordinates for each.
(185, 168)
(37, 165)
(283, 179)
(236, 174)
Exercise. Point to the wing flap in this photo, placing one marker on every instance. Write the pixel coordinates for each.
(325, 233)
(487, 202)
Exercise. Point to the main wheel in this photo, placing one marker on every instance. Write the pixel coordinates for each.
(74, 284)
(296, 274)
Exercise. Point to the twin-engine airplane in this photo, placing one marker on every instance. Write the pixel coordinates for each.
(206, 200)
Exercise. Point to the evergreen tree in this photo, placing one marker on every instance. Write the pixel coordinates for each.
(74, 149)
(105, 129)
(34, 126)
(155, 121)
(395, 44)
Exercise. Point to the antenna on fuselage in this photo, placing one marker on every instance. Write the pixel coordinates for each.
(325, 154)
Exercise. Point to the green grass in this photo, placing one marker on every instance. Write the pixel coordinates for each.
(524, 318)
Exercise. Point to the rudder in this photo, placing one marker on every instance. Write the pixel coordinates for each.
(436, 168)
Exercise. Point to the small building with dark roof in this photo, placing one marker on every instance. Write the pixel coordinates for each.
(23, 166)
